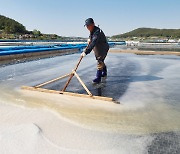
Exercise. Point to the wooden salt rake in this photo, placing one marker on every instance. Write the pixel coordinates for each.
(63, 91)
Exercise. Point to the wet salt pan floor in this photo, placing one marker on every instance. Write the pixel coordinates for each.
(146, 121)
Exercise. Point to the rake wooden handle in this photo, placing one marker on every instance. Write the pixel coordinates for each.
(72, 74)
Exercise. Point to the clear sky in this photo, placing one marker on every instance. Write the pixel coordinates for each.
(66, 17)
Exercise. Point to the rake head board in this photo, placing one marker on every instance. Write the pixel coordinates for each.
(67, 93)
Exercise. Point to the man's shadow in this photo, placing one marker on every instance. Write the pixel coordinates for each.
(136, 78)
(116, 86)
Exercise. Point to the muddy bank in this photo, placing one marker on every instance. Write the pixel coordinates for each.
(143, 52)
(11, 59)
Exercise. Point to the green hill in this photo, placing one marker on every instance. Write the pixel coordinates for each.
(10, 26)
(150, 32)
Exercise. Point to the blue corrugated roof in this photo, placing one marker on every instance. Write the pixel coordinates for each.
(32, 49)
(47, 48)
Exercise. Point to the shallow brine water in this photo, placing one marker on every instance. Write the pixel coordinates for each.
(146, 86)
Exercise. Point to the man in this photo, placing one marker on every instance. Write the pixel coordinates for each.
(98, 43)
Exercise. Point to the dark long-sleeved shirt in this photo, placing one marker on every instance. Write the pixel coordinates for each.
(98, 43)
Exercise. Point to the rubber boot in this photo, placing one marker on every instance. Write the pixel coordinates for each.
(98, 77)
(104, 72)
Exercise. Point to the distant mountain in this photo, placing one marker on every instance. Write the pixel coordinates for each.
(11, 26)
(150, 32)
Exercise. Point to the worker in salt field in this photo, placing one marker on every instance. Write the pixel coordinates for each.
(98, 43)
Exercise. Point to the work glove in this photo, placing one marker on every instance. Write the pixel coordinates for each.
(83, 54)
(88, 41)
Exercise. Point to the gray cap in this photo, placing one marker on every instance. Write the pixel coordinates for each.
(89, 21)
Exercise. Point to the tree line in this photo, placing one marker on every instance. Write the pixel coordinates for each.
(10, 26)
(11, 29)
